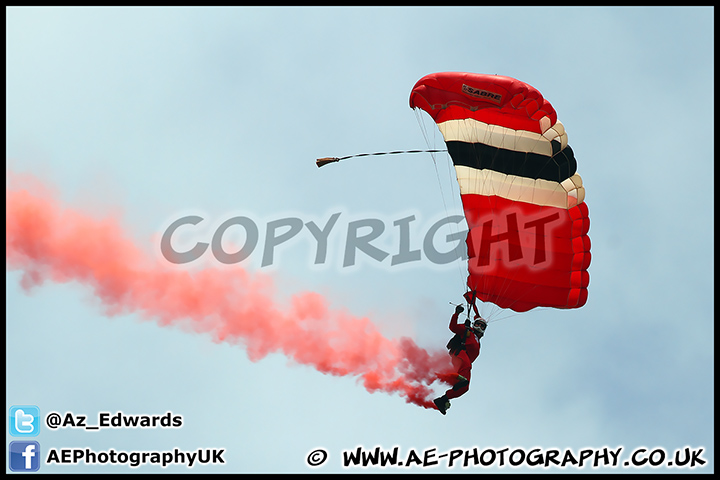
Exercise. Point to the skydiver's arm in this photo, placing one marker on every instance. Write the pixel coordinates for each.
(454, 326)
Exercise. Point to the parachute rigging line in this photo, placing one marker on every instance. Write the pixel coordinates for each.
(462, 274)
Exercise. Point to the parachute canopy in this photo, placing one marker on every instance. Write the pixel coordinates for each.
(522, 197)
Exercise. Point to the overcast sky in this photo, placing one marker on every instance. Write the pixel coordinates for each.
(152, 114)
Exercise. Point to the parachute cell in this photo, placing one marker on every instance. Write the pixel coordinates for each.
(522, 196)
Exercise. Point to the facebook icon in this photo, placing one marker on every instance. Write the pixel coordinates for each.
(24, 456)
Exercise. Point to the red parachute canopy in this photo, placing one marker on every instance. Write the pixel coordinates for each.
(523, 199)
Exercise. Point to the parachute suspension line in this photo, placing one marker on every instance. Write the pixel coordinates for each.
(418, 115)
(489, 311)
(325, 160)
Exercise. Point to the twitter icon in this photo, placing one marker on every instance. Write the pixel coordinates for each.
(24, 421)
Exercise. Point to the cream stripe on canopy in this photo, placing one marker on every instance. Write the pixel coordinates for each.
(538, 192)
(473, 131)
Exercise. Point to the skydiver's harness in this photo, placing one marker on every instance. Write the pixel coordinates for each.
(457, 342)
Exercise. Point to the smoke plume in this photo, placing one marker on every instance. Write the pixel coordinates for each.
(51, 242)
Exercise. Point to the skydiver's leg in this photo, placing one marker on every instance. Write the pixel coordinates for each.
(462, 364)
(456, 393)
(464, 367)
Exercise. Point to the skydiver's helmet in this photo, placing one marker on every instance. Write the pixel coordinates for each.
(479, 325)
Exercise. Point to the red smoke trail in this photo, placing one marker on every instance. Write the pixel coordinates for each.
(49, 242)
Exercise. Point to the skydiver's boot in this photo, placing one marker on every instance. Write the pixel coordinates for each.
(461, 382)
(442, 404)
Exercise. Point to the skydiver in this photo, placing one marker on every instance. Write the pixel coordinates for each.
(464, 349)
